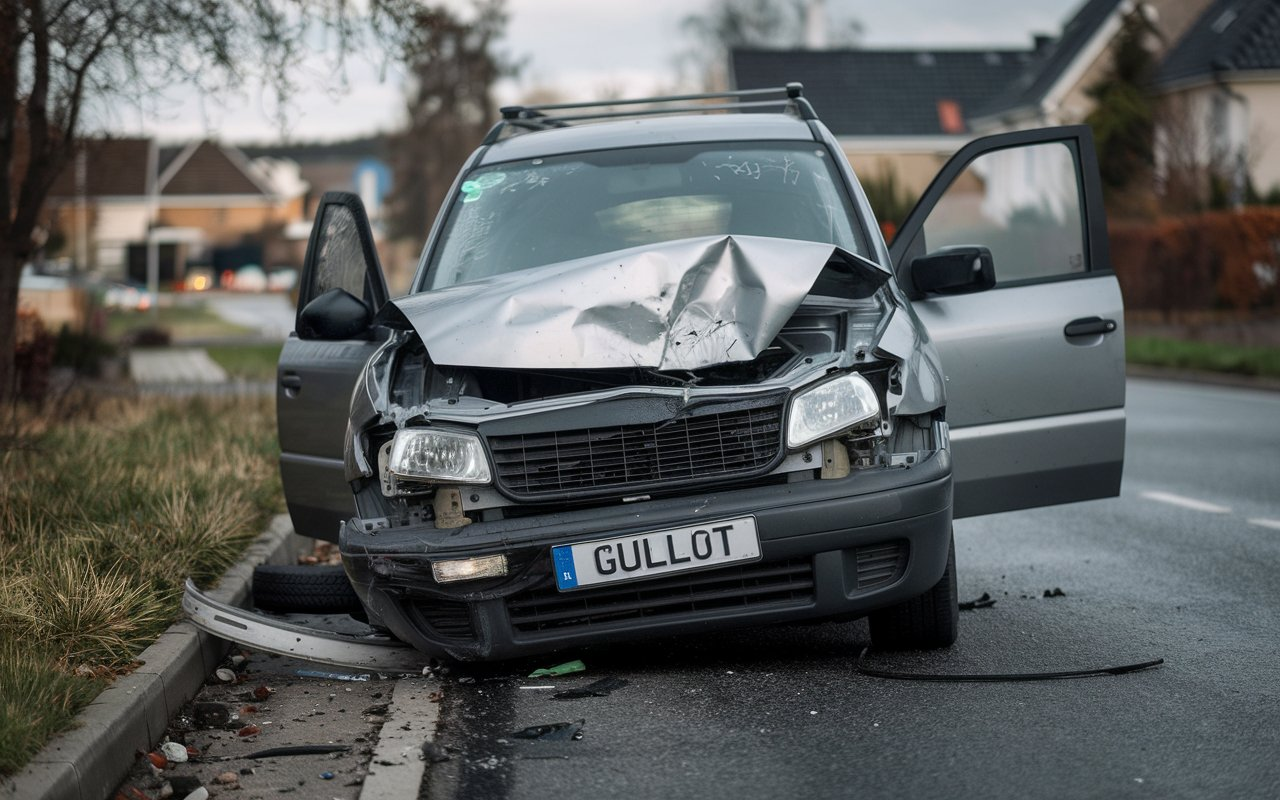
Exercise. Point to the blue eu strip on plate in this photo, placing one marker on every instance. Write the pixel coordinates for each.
(566, 575)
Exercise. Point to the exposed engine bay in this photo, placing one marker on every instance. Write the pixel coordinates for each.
(690, 399)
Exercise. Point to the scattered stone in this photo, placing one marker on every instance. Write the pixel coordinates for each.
(249, 730)
(174, 752)
(225, 675)
(227, 778)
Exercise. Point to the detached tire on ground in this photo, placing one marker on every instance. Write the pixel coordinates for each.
(925, 622)
(304, 590)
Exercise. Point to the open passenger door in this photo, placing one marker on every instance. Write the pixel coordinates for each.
(341, 292)
(1035, 362)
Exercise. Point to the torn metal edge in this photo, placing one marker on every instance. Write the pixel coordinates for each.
(271, 635)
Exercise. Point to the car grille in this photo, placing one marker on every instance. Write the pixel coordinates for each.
(689, 450)
(779, 583)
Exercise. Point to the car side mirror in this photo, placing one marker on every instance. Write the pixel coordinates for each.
(334, 315)
(959, 269)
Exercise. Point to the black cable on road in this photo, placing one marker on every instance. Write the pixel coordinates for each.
(996, 678)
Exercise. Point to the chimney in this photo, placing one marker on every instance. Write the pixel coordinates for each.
(815, 25)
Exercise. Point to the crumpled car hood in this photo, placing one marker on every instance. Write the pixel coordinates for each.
(679, 305)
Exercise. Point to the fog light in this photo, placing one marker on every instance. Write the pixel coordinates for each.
(467, 569)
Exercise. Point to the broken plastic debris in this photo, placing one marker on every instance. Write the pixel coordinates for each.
(1055, 592)
(996, 677)
(567, 668)
(225, 675)
(553, 732)
(600, 688)
(986, 601)
(331, 676)
(328, 776)
(176, 753)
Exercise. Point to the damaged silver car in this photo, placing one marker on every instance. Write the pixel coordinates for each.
(659, 373)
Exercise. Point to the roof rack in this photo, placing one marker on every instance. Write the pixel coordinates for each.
(521, 119)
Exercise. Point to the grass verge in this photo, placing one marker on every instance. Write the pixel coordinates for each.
(183, 322)
(105, 508)
(1207, 356)
(250, 362)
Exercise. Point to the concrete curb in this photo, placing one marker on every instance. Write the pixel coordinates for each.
(89, 761)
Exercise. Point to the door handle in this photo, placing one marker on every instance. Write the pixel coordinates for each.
(1089, 326)
(291, 381)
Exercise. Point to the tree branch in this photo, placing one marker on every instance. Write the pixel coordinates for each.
(10, 45)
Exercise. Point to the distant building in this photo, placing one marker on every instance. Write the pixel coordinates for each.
(1224, 76)
(910, 109)
(209, 206)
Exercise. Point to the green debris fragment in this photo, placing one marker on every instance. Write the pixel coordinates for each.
(566, 668)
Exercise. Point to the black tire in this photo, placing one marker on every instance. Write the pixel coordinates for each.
(926, 622)
(319, 589)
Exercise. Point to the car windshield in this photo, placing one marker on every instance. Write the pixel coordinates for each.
(522, 214)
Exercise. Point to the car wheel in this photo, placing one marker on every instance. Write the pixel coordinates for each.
(922, 623)
(318, 589)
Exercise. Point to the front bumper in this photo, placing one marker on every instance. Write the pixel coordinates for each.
(830, 548)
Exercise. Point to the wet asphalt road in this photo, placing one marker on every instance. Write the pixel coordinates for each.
(1184, 566)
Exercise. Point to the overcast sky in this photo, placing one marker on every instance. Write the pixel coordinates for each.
(580, 48)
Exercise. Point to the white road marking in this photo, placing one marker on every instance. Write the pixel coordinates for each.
(397, 766)
(1186, 502)
(1273, 524)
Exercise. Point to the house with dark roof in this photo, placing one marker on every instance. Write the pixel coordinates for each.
(204, 203)
(1223, 80)
(912, 109)
(907, 109)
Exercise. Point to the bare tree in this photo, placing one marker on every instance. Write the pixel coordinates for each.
(449, 107)
(63, 60)
(730, 24)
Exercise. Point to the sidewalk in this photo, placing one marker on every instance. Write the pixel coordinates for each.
(174, 366)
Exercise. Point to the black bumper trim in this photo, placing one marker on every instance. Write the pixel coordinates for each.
(826, 521)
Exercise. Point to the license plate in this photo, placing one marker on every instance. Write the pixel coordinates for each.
(647, 555)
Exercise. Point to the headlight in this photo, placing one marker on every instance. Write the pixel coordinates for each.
(438, 456)
(829, 408)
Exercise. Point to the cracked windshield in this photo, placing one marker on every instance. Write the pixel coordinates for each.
(526, 214)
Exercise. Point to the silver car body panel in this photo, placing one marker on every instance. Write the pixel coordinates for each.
(1036, 415)
(680, 305)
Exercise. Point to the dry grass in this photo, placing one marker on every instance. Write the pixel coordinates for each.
(105, 507)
